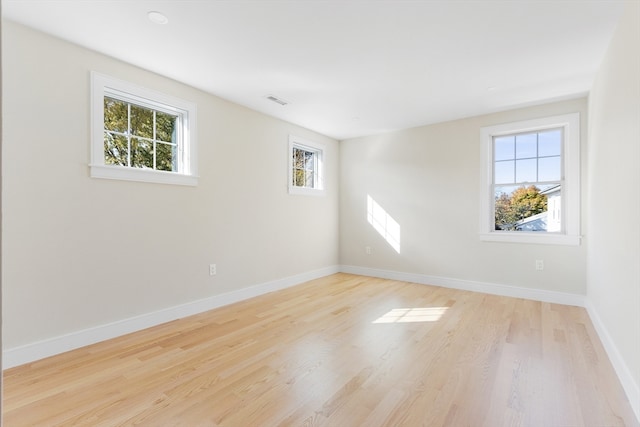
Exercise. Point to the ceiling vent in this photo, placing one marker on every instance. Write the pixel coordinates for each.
(276, 100)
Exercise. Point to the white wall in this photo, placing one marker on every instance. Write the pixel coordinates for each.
(81, 252)
(613, 253)
(428, 179)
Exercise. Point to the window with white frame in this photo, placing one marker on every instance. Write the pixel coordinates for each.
(531, 181)
(141, 135)
(305, 166)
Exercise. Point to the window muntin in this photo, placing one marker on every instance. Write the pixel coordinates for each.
(141, 135)
(539, 162)
(305, 167)
(527, 172)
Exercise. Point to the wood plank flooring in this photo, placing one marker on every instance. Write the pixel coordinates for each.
(339, 351)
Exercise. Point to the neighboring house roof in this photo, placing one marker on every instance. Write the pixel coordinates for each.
(533, 223)
(551, 190)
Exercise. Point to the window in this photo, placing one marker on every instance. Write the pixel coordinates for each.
(141, 135)
(530, 186)
(305, 167)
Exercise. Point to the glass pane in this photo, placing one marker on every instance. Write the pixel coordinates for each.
(115, 149)
(141, 153)
(141, 121)
(526, 170)
(309, 179)
(504, 148)
(505, 189)
(504, 219)
(520, 209)
(115, 115)
(166, 127)
(504, 172)
(549, 169)
(298, 158)
(526, 146)
(309, 160)
(554, 209)
(550, 143)
(298, 178)
(165, 157)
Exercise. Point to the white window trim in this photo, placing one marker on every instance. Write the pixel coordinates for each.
(570, 123)
(319, 149)
(102, 85)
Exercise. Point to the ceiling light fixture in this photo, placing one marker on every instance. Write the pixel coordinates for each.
(157, 17)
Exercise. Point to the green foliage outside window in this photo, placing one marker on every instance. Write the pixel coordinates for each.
(522, 203)
(303, 168)
(139, 137)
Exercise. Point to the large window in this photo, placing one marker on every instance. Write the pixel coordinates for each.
(141, 135)
(530, 188)
(305, 167)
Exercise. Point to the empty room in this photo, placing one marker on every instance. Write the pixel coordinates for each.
(338, 213)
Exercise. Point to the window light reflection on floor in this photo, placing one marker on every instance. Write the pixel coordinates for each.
(411, 315)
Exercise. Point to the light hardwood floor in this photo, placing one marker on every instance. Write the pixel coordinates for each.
(339, 351)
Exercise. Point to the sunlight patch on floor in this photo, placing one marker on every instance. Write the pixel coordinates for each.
(412, 315)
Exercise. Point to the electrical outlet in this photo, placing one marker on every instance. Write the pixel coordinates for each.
(539, 264)
(212, 269)
(367, 250)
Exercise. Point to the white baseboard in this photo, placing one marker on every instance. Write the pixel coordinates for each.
(35, 351)
(39, 350)
(468, 285)
(629, 385)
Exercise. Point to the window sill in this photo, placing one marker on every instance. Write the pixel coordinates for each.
(535, 238)
(302, 191)
(142, 175)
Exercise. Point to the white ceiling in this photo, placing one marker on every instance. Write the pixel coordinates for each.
(350, 67)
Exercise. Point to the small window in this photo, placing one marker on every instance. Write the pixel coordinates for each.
(305, 167)
(141, 135)
(531, 183)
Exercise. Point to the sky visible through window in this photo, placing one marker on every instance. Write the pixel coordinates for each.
(528, 158)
